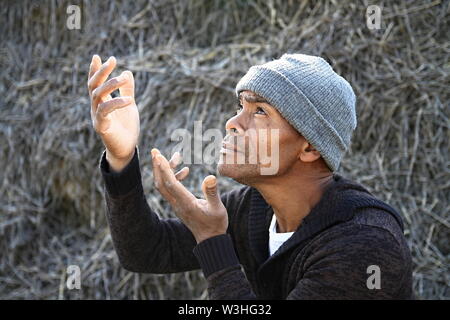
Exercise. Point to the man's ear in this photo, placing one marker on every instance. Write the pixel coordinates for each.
(308, 153)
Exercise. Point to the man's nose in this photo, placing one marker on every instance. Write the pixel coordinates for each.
(235, 126)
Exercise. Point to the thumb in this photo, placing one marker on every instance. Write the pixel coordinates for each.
(209, 187)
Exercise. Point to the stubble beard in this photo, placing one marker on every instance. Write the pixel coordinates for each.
(242, 173)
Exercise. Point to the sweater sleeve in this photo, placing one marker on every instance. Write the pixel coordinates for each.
(225, 277)
(362, 262)
(143, 242)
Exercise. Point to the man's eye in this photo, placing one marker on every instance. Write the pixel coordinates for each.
(260, 110)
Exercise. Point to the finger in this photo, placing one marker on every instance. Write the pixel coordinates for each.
(102, 74)
(182, 174)
(157, 180)
(98, 95)
(175, 160)
(175, 188)
(96, 62)
(109, 106)
(209, 188)
(128, 88)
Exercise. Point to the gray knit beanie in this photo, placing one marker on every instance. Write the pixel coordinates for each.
(314, 99)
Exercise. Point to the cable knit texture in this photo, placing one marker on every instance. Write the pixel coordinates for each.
(313, 98)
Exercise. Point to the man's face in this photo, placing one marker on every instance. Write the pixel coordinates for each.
(259, 143)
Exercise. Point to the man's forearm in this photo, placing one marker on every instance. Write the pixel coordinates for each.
(143, 242)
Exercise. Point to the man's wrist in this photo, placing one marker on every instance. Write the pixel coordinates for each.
(116, 165)
(215, 253)
(121, 183)
(202, 238)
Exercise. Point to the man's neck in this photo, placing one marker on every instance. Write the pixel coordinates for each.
(293, 195)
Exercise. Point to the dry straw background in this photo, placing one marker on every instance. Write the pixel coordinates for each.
(187, 57)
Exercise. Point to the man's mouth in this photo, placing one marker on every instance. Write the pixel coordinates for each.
(226, 148)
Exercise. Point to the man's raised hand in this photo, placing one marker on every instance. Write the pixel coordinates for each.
(205, 218)
(116, 120)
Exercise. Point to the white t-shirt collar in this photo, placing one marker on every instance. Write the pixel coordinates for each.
(276, 239)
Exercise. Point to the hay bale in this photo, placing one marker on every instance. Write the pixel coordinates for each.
(187, 56)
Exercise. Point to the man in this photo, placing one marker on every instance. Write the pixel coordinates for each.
(301, 232)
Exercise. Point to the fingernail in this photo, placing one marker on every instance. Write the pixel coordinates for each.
(211, 182)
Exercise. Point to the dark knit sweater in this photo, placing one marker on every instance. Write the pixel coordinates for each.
(326, 258)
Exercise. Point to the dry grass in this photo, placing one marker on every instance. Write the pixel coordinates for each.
(187, 56)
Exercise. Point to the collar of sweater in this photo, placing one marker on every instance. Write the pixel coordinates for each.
(338, 203)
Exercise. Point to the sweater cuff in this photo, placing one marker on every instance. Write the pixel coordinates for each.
(216, 253)
(121, 183)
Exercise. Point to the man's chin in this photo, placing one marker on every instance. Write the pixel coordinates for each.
(241, 173)
(225, 170)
